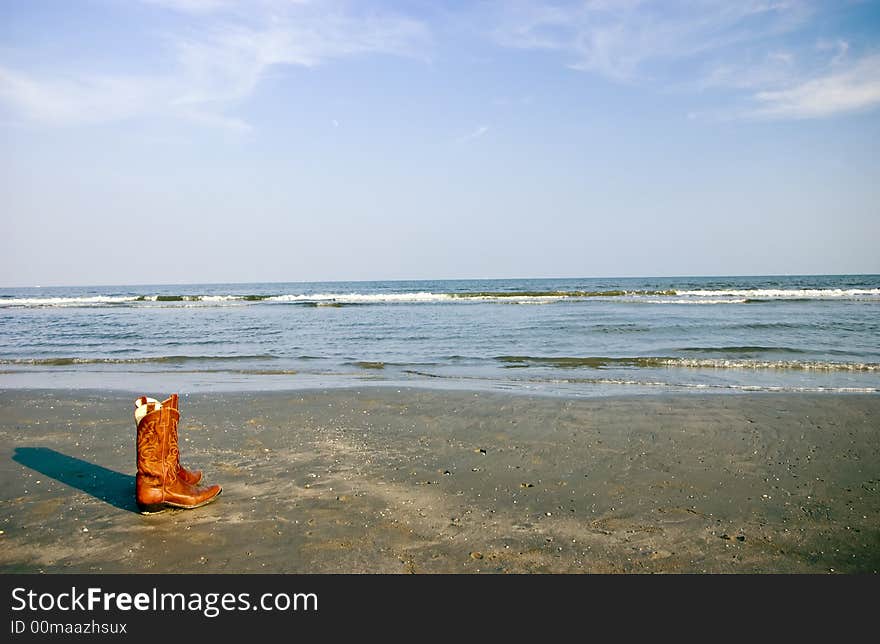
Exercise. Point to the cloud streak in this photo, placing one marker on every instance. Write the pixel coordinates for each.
(227, 63)
(476, 134)
(622, 40)
(746, 53)
(191, 6)
(707, 45)
(84, 99)
(855, 88)
(218, 63)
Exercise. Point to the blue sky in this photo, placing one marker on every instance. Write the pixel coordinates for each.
(180, 141)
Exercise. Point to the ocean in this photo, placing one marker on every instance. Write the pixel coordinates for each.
(573, 337)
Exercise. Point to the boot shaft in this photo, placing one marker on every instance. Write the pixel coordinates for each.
(157, 450)
(144, 406)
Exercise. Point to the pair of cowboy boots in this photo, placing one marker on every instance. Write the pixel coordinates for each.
(161, 481)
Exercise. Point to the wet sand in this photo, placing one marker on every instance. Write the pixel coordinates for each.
(416, 481)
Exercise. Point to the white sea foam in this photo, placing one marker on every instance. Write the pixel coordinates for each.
(702, 386)
(209, 298)
(772, 293)
(362, 298)
(652, 300)
(708, 296)
(219, 300)
(734, 387)
(67, 301)
(709, 363)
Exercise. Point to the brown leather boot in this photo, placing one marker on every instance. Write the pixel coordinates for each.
(158, 484)
(190, 477)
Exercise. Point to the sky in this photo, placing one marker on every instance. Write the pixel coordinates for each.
(215, 141)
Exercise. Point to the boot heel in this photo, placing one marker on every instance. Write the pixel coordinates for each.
(152, 508)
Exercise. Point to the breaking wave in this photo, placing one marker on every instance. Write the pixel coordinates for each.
(69, 361)
(601, 362)
(669, 296)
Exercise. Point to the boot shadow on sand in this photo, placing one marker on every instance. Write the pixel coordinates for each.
(104, 484)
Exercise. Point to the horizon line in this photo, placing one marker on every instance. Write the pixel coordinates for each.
(448, 279)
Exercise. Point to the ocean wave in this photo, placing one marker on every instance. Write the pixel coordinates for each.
(366, 364)
(788, 294)
(602, 362)
(742, 349)
(66, 361)
(687, 386)
(360, 298)
(494, 295)
(669, 296)
(119, 300)
(695, 301)
(67, 301)
(698, 386)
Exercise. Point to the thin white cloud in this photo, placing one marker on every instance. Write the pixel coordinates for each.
(191, 6)
(840, 47)
(622, 39)
(219, 121)
(476, 134)
(229, 46)
(217, 64)
(814, 83)
(771, 69)
(227, 63)
(242, 7)
(704, 45)
(86, 99)
(854, 88)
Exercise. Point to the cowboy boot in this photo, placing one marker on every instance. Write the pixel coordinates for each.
(190, 477)
(158, 485)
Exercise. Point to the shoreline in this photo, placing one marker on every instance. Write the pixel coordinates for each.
(86, 383)
(379, 479)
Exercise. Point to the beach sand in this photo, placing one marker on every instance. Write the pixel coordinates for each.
(381, 480)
